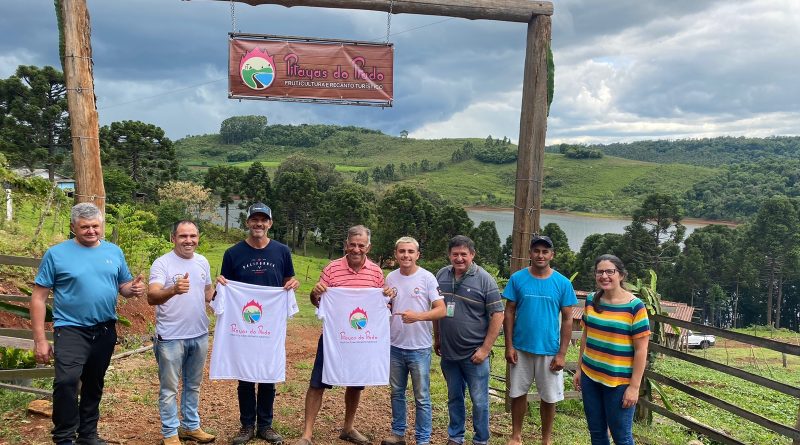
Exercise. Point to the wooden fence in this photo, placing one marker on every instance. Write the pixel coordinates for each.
(792, 432)
(646, 403)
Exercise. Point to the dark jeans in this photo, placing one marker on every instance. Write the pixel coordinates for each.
(82, 355)
(251, 405)
(604, 412)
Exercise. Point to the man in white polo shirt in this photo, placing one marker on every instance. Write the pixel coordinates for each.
(180, 288)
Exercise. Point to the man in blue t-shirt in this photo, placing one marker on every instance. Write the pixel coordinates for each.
(537, 328)
(85, 274)
(261, 261)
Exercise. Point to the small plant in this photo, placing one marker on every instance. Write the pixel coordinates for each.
(15, 358)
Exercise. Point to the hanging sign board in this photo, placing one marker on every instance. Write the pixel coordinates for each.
(298, 69)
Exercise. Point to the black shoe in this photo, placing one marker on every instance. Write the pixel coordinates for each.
(90, 441)
(245, 434)
(270, 435)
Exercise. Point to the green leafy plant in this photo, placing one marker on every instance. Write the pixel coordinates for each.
(15, 358)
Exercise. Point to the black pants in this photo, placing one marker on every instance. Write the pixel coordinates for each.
(82, 354)
(251, 405)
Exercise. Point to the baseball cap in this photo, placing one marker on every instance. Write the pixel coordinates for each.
(259, 207)
(542, 239)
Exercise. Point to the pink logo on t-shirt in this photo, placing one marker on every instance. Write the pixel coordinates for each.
(251, 312)
(358, 319)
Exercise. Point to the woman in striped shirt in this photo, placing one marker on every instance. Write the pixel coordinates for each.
(613, 354)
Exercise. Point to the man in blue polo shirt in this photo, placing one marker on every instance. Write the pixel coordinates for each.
(85, 274)
(538, 327)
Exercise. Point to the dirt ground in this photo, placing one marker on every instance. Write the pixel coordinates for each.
(129, 412)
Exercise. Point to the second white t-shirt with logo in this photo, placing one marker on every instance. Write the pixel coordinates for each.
(355, 340)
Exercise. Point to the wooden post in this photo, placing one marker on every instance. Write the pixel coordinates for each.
(81, 103)
(530, 157)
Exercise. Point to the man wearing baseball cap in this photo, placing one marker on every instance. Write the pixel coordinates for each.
(537, 327)
(261, 261)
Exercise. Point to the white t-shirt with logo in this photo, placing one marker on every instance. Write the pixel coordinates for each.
(182, 316)
(355, 340)
(250, 333)
(416, 293)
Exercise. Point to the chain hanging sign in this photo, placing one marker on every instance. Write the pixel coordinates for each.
(299, 69)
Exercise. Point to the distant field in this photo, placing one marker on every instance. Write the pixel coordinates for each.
(609, 185)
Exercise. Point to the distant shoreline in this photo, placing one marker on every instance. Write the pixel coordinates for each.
(697, 221)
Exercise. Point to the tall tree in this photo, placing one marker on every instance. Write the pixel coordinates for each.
(655, 234)
(142, 151)
(256, 187)
(564, 260)
(775, 237)
(403, 212)
(342, 207)
(238, 129)
(297, 198)
(487, 243)
(450, 220)
(225, 181)
(34, 124)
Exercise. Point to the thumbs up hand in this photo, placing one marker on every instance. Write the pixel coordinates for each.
(182, 284)
(137, 286)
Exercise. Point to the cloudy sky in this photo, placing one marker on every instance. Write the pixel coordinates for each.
(625, 69)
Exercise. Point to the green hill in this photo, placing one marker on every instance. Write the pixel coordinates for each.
(606, 185)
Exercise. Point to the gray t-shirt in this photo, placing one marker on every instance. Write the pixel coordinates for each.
(474, 299)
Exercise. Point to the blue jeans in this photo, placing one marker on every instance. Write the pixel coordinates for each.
(603, 408)
(460, 375)
(176, 358)
(418, 363)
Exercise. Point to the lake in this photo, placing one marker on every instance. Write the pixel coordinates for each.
(577, 227)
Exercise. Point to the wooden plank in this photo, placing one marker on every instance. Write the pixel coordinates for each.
(712, 433)
(32, 373)
(503, 10)
(16, 342)
(22, 299)
(744, 375)
(786, 348)
(23, 333)
(719, 403)
(11, 260)
(20, 388)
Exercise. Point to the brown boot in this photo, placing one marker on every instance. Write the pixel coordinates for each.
(171, 440)
(197, 435)
(393, 439)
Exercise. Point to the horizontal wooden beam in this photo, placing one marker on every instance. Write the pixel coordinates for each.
(785, 348)
(729, 407)
(736, 372)
(16, 342)
(48, 393)
(19, 261)
(23, 333)
(712, 433)
(521, 11)
(31, 373)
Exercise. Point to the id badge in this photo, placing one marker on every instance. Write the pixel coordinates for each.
(451, 309)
